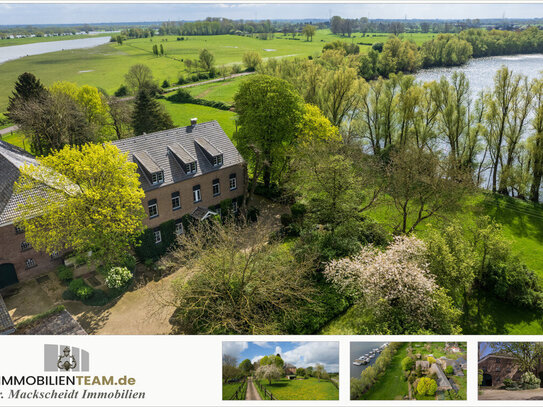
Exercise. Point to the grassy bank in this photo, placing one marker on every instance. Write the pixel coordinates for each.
(305, 389)
(8, 42)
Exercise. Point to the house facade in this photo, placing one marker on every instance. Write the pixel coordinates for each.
(186, 171)
(498, 367)
(18, 260)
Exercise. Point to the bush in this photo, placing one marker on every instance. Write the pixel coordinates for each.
(194, 78)
(183, 96)
(426, 387)
(65, 273)
(118, 277)
(529, 381)
(122, 91)
(298, 210)
(378, 46)
(182, 80)
(407, 364)
(509, 383)
(80, 289)
(202, 76)
(236, 68)
(449, 370)
(165, 84)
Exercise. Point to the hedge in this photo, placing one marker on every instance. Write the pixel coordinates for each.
(183, 96)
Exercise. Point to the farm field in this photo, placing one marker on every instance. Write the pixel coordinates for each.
(306, 389)
(105, 66)
(181, 114)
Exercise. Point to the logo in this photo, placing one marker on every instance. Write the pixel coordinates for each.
(61, 358)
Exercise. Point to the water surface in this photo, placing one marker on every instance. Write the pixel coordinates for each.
(358, 349)
(20, 51)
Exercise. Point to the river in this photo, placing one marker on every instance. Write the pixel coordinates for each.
(480, 71)
(20, 51)
(358, 349)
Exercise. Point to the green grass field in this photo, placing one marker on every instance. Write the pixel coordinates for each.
(181, 114)
(307, 389)
(390, 385)
(229, 389)
(462, 383)
(105, 66)
(17, 139)
(32, 40)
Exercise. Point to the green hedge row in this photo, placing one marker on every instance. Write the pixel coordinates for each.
(183, 96)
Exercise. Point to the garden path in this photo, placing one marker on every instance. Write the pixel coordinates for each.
(252, 393)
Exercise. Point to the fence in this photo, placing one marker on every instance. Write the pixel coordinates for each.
(240, 393)
(265, 391)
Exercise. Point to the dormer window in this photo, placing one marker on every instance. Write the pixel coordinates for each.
(191, 168)
(217, 160)
(157, 177)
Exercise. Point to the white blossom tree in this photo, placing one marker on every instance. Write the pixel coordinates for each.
(269, 373)
(396, 288)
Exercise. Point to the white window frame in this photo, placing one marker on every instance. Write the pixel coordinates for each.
(217, 160)
(234, 206)
(179, 229)
(157, 178)
(178, 199)
(158, 236)
(218, 185)
(29, 263)
(25, 246)
(197, 195)
(234, 184)
(156, 209)
(192, 167)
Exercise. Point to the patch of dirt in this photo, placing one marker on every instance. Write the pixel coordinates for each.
(496, 394)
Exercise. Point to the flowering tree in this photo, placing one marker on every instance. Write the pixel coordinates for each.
(396, 288)
(118, 277)
(269, 373)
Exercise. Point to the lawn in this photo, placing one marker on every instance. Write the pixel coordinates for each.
(181, 114)
(16, 138)
(223, 91)
(390, 385)
(229, 389)
(307, 389)
(522, 224)
(105, 66)
(462, 382)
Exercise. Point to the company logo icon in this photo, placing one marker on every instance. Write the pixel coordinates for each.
(61, 358)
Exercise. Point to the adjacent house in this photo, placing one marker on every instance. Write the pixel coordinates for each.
(443, 383)
(18, 260)
(498, 367)
(290, 369)
(186, 171)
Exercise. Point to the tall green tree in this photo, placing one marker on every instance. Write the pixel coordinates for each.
(526, 354)
(149, 115)
(27, 87)
(269, 115)
(90, 201)
(206, 59)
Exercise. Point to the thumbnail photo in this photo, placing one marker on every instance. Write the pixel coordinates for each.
(408, 371)
(280, 371)
(510, 370)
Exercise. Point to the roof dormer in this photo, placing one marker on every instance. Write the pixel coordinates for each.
(213, 155)
(150, 168)
(184, 159)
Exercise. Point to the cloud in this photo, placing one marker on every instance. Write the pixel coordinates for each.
(262, 344)
(257, 358)
(278, 350)
(234, 348)
(313, 353)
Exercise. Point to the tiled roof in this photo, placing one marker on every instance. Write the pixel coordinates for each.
(6, 324)
(12, 158)
(156, 146)
(61, 323)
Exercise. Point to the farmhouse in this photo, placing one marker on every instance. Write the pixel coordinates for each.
(188, 171)
(497, 367)
(442, 381)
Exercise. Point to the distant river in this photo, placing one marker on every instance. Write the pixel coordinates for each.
(19, 51)
(481, 71)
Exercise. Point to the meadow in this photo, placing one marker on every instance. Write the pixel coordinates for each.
(390, 385)
(522, 225)
(105, 66)
(304, 389)
(229, 389)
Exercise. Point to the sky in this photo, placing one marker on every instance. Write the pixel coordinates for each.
(72, 13)
(300, 354)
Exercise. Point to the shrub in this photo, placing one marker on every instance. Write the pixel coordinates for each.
(182, 80)
(286, 219)
(378, 46)
(202, 76)
(65, 273)
(194, 78)
(508, 382)
(80, 289)
(122, 91)
(165, 84)
(431, 360)
(426, 387)
(529, 381)
(298, 210)
(407, 363)
(236, 68)
(118, 277)
(449, 370)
